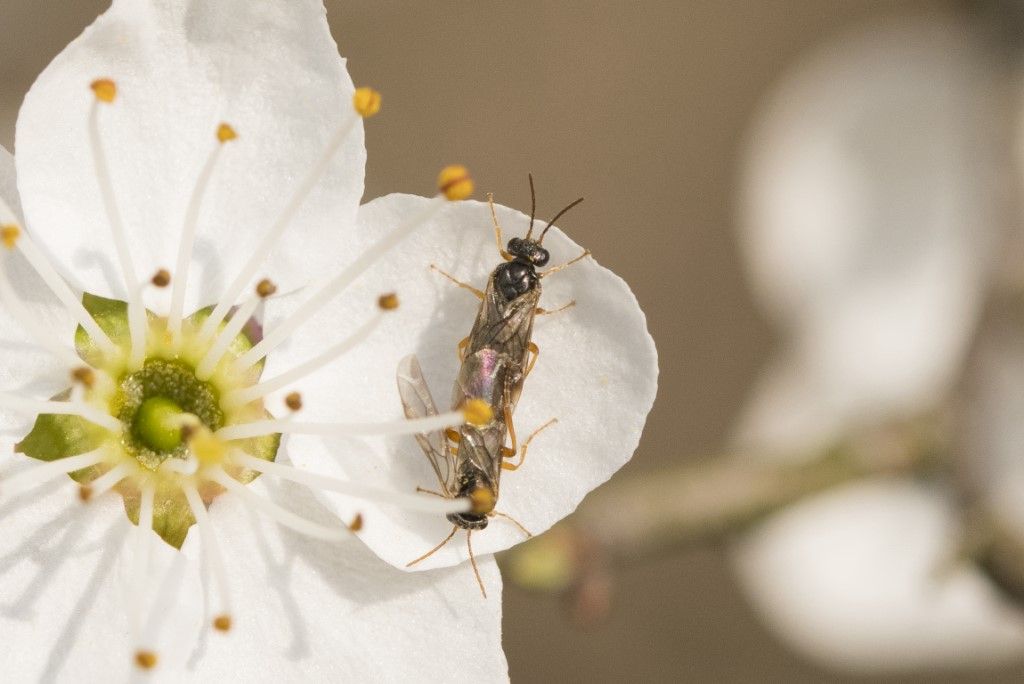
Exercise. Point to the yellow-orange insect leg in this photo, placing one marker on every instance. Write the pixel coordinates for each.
(526, 445)
(464, 286)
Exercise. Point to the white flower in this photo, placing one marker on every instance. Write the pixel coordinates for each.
(871, 231)
(140, 175)
(596, 373)
(105, 180)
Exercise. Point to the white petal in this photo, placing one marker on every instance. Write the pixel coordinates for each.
(597, 373)
(64, 602)
(864, 578)
(311, 610)
(28, 370)
(270, 69)
(870, 217)
(301, 609)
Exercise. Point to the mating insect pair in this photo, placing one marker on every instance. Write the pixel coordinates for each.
(496, 358)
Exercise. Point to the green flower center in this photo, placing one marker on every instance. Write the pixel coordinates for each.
(153, 404)
(153, 401)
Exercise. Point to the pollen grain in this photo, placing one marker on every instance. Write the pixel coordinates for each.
(226, 133)
(9, 234)
(366, 102)
(105, 90)
(455, 183)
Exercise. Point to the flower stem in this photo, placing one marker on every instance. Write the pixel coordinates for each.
(632, 520)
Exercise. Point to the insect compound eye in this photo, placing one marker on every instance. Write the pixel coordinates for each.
(540, 257)
(515, 246)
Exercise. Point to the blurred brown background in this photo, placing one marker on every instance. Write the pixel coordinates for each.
(642, 109)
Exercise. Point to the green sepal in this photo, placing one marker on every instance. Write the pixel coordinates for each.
(171, 513)
(56, 436)
(112, 317)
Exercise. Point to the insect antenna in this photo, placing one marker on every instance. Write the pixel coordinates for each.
(514, 522)
(431, 552)
(557, 216)
(472, 560)
(533, 206)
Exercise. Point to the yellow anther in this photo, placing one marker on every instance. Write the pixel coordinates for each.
(105, 90)
(482, 500)
(161, 278)
(388, 302)
(293, 401)
(84, 493)
(222, 623)
(477, 412)
(9, 234)
(366, 101)
(84, 376)
(265, 288)
(356, 524)
(225, 133)
(206, 446)
(455, 183)
(145, 659)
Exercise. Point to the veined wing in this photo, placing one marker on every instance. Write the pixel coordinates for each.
(417, 402)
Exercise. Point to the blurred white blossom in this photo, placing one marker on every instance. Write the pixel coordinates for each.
(873, 223)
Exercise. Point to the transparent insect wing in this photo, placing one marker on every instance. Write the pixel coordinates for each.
(418, 403)
(507, 325)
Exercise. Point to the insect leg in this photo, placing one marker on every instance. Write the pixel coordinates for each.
(431, 552)
(497, 229)
(464, 286)
(567, 264)
(540, 311)
(535, 350)
(508, 452)
(421, 490)
(526, 445)
(461, 348)
(472, 560)
(514, 521)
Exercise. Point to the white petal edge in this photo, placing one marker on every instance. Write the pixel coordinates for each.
(270, 69)
(865, 578)
(27, 370)
(597, 373)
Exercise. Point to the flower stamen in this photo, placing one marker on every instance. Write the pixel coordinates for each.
(242, 396)
(67, 408)
(140, 574)
(161, 279)
(238, 320)
(271, 237)
(44, 472)
(17, 310)
(225, 133)
(293, 400)
(341, 281)
(212, 552)
(404, 426)
(272, 510)
(13, 236)
(411, 502)
(106, 92)
(108, 480)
